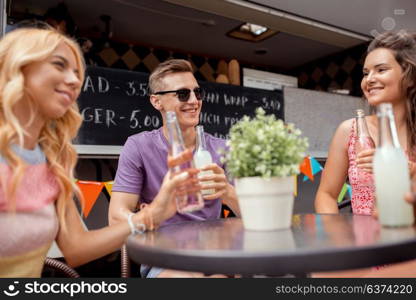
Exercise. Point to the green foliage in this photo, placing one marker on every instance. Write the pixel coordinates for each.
(265, 147)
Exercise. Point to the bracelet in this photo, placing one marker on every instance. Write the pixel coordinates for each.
(135, 228)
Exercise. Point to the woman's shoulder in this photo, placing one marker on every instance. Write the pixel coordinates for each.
(341, 138)
(343, 134)
(346, 126)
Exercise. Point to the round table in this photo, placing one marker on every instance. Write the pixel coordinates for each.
(313, 243)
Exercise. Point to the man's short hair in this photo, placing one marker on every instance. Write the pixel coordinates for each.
(167, 67)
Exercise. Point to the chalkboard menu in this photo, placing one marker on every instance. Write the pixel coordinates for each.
(114, 104)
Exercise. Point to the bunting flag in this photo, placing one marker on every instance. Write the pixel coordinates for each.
(109, 186)
(306, 168)
(342, 193)
(346, 188)
(90, 190)
(319, 227)
(309, 221)
(295, 187)
(309, 167)
(226, 212)
(315, 165)
(296, 220)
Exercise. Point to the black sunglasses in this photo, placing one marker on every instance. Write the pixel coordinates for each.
(184, 94)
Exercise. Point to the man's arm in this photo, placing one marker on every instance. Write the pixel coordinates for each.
(121, 204)
(127, 183)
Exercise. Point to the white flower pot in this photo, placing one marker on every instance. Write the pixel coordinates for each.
(265, 204)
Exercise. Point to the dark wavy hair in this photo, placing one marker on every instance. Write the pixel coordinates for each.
(403, 46)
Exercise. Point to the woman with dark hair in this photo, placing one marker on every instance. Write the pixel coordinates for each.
(389, 76)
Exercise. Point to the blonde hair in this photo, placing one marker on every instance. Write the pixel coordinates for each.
(167, 67)
(18, 49)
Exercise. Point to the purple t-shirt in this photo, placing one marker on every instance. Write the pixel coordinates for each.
(143, 165)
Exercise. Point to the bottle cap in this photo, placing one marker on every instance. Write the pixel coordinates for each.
(170, 116)
(360, 113)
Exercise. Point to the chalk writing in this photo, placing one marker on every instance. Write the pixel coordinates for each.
(115, 104)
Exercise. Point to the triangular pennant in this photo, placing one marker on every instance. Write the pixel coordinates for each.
(342, 193)
(295, 186)
(305, 168)
(319, 227)
(296, 220)
(305, 178)
(226, 212)
(310, 223)
(316, 166)
(109, 186)
(349, 191)
(90, 190)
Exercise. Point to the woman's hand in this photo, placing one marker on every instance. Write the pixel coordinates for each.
(412, 169)
(365, 160)
(163, 206)
(411, 198)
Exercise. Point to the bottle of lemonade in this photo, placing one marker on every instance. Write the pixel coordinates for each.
(363, 142)
(391, 173)
(192, 200)
(202, 158)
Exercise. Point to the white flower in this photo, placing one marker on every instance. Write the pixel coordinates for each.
(264, 146)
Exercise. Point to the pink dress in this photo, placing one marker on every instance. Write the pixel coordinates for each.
(27, 233)
(362, 183)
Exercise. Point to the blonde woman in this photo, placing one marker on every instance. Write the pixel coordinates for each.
(41, 74)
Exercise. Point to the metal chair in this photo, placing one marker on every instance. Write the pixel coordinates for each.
(128, 266)
(124, 262)
(60, 267)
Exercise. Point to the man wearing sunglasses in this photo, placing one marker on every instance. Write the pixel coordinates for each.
(143, 161)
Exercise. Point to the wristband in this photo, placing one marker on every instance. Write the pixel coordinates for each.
(135, 228)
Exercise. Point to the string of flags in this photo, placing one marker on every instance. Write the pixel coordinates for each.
(346, 188)
(310, 167)
(92, 189)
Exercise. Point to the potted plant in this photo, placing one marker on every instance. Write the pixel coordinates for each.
(263, 156)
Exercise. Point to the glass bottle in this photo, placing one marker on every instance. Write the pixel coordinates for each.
(202, 157)
(363, 142)
(391, 173)
(190, 201)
